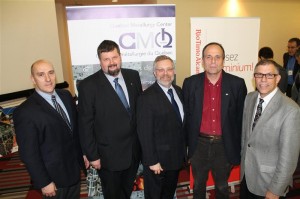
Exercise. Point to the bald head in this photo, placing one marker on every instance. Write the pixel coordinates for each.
(43, 76)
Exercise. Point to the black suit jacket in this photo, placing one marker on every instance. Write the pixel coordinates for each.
(160, 132)
(47, 146)
(282, 84)
(232, 102)
(285, 62)
(106, 129)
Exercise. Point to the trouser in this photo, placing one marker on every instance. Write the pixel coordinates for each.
(210, 155)
(160, 186)
(72, 192)
(118, 184)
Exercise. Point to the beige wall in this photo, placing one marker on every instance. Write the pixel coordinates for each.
(280, 20)
(28, 32)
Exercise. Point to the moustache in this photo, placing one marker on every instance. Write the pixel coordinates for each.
(112, 65)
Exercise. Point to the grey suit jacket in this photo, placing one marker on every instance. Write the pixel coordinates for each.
(270, 152)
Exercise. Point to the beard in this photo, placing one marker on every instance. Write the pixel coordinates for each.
(113, 72)
(166, 82)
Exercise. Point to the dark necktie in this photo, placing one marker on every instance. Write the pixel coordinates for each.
(60, 111)
(174, 104)
(121, 95)
(258, 112)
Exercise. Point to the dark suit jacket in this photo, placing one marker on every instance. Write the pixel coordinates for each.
(282, 84)
(160, 131)
(49, 149)
(285, 62)
(106, 129)
(232, 101)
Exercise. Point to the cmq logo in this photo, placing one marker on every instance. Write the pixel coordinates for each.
(136, 40)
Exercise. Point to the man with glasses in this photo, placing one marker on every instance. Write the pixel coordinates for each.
(160, 119)
(290, 63)
(270, 137)
(214, 102)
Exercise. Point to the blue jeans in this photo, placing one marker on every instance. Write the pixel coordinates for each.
(210, 155)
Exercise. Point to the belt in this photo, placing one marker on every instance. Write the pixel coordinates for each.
(211, 137)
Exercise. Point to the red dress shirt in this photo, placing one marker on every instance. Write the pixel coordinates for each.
(211, 111)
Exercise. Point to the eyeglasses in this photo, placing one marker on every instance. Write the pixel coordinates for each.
(268, 75)
(161, 70)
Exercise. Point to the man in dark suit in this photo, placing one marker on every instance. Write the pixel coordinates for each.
(107, 122)
(48, 141)
(160, 130)
(290, 63)
(214, 103)
(267, 53)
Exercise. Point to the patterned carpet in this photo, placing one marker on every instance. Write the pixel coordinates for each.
(15, 183)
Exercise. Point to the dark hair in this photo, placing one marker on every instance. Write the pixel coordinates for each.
(265, 52)
(295, 39)
(213, 43)
(107, 46)
(267, 62)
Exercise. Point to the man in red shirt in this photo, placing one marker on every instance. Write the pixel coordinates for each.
(214, 102)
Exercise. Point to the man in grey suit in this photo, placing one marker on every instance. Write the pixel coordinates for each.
(270, 137)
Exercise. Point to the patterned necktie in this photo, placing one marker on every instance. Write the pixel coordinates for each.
(60, 111)
(174, 104)
(258, 112)
(121, 95)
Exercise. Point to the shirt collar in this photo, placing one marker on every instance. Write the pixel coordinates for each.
(268, 98)
(46, 96)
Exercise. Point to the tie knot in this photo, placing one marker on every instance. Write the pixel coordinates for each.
(261, 101)
(53, 97)
(170, 92)
(116, 80)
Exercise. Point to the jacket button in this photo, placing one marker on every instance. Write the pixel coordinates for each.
(248, 145)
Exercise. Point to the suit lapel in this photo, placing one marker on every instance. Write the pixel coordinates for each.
(268, 111)
(165, 100)
(225, 97)
(129, 85)
(199, 97)
(46, 107)
(68, 106)
(250, 110)
(112, 95)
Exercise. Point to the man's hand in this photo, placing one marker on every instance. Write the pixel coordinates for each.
(49, 190)
(96, 164)
(156, 168)
(270, 195)
(86, 162)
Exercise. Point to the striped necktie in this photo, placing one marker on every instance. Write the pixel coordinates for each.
(60, 111)
(258, 112)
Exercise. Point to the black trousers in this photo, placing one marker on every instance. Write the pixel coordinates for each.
(72, 192)
(118, 184)
(160, 186)
(210, 155)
